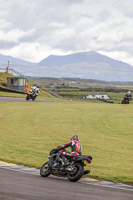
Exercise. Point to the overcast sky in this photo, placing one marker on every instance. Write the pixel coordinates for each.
(34, 29)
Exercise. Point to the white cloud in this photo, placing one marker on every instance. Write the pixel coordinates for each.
(39, 28)
(117, 55)
(4, 25)
(14, 35)
(33, 52)
(56, 25)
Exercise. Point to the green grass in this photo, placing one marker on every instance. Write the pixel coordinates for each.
(3, 78)
(68, 93)
(28, 132)
(10, 94)
(41, 95)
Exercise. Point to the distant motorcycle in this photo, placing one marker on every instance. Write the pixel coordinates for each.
(73, 170)
(125, 100)
(32, 94)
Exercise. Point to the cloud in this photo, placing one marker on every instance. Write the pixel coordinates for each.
(31, 51)
(44, 27)
(14, 35)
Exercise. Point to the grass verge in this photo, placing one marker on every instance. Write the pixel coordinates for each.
(41, 95)
(28, 132)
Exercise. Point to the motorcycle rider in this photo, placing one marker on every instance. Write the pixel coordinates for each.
(27, 88)
(35, 88)
(76, 148)
(128, 95)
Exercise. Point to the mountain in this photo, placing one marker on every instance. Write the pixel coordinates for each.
(88, 65)
(19, 65)
(13, 61)
(83, 57)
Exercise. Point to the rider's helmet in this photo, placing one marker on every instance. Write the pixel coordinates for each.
(36, 85)
(75, 137)
(129, 92)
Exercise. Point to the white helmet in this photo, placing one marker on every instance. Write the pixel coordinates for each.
(129, 92)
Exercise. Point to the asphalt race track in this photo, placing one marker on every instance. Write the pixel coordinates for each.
(18, 185)
(11, 99)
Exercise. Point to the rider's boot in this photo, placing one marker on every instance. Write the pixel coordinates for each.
(86, 172)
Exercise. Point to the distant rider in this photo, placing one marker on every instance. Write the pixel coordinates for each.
(128, 95)
(76, 148)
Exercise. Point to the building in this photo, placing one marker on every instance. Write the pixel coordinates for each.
(17, 83)
(97, 96)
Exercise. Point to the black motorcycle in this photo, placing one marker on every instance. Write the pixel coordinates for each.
(125, 100)
(73, 169)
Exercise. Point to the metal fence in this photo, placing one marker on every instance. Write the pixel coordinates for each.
(11, 71)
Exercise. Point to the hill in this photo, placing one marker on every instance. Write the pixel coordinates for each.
(83, 57)
(13, 61)
(88, 65)
(3, 84)
(3, 79)
(18, 64)
(85, 65)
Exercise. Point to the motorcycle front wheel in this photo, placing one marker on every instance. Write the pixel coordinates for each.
(33, 98)
(78, 173)
(27, 98)
(45, 170)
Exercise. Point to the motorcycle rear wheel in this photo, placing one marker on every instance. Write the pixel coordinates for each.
(45, 170)
(77, 175)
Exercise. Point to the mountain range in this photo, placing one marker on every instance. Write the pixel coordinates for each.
(88, 65)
